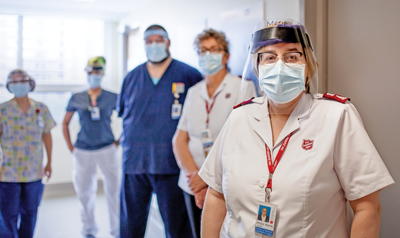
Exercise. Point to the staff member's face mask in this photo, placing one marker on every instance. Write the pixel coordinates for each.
(282, 82)
(156, 52)
(20, 90)
(94, 80)
(211, 63)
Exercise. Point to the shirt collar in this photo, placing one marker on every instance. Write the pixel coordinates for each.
(263, 124)
(221, 86)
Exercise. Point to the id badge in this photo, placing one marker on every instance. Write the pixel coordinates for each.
(265, 220)
(207, 140)
(40, 122)
(176, 111)
(178, 88)
(95, 113)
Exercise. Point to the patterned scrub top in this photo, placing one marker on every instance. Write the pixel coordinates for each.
(21, 140)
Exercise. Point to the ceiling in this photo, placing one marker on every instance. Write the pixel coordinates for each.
(115, 10)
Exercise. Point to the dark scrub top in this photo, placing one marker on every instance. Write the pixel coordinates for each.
(146, 112)
(93, 135)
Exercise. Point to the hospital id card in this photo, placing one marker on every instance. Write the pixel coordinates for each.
(265, 220)
(207, 140)
(176, 111)
(40, 122)
(95, 114)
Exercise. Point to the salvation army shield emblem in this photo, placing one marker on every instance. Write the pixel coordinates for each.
(307, 144)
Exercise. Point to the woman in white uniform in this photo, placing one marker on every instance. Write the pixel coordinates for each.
(300, 156)
(95, 146)
(207, 106)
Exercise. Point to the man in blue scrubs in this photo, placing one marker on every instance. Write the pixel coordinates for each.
(150, 104)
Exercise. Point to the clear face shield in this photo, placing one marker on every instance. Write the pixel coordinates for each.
(19, 77)
(281, 62)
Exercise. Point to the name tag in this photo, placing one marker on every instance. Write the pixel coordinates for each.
(265, 221)
(95, 113)
(178, 88)
(176, 111)
(40, 122)
(207, 140)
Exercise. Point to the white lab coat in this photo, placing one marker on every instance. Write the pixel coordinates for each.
(310, 186)
(194, 114)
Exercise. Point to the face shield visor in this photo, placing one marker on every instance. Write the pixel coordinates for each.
(20, 77)
(96, 65)
(156, 43)
(280, 62)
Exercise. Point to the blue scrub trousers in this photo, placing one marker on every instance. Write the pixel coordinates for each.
(136, 192)
(19, 200)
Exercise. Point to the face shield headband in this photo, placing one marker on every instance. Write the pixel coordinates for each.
(279, 34)
(155, 32)
(31, 81)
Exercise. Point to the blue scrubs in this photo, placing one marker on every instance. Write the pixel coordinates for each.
(149, 164)
(94, 135)
(25, 199)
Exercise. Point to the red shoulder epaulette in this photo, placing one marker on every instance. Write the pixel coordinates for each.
(336, 97)
(244, 103)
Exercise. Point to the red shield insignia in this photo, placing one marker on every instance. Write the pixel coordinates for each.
(307, 144)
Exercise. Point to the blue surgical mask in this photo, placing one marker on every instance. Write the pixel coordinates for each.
(282, 82)
(156, 52)
(94, 80)
(20, 90)
(211, 63)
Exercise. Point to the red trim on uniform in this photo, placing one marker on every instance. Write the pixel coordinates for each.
(336, 97)
(244, 103)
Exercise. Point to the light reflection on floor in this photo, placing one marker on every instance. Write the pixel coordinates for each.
(59, 218)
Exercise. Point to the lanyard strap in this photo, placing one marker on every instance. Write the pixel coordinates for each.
(272, 166)
(208, 109)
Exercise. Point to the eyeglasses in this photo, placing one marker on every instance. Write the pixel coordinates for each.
(19, 81)
(160, 39)
(202, 51)
(270, 58)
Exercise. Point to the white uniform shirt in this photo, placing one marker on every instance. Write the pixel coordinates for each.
(194, 115)
(309, 186)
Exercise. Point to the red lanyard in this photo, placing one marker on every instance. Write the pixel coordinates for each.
(272, 166)
(208, 109)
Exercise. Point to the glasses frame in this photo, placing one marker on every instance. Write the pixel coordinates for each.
(212, 50)
(259, 54)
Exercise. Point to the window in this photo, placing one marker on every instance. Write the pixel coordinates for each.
(54, 51)
(8, 45)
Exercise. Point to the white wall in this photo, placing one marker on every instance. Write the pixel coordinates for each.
(62, 160)
(363, 64)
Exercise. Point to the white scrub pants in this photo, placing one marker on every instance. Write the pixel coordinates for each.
(85, 184)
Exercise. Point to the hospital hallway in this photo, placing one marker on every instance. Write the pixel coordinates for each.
(58, 217)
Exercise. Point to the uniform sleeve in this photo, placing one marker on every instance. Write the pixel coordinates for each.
(358, 165)
(120, 106)
(196, 77)
(182, 125)
(49, 122)
(212, 169)
(248, 91)
(1, 157)
(1, 120)
(115, 99)
(71, 107)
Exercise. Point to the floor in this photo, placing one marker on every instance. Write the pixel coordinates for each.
(59, 218)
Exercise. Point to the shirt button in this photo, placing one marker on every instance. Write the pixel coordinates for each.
(261, 184)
